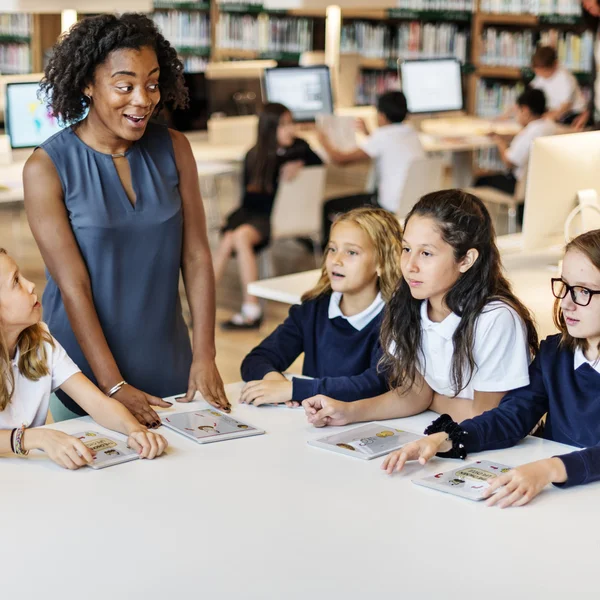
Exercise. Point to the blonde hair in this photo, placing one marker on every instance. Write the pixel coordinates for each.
(385, 233)
(587, 244)
(33, 359)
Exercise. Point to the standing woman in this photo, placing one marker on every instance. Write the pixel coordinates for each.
(114, 204)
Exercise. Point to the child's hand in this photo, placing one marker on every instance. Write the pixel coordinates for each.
(266, 392)
(322, 411)
(421, 450)
(361, 126)
(65, 450)
(147, 443)
(520, 485)
(290, 170)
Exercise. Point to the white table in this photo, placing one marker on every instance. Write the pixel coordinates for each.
(270, 517)
(287, 288)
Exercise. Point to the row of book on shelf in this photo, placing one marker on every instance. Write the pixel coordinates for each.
(515, 48)
(371, 84)
(265, 33)
(532, 7)
(184, 28)
(15, 58)
(17, 24)
(409, 40)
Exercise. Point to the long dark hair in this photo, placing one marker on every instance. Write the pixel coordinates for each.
(464, 223)
(262, 158)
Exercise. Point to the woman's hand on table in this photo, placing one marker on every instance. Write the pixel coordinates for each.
(421, 450)
(140, 405)
(147, 444)
(205, 378)
(522, 484)
(65, 450)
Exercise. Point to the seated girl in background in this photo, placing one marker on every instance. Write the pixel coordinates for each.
(337, 325)
(34, 365)
(278, 155)
(454, 336)
(565, 382)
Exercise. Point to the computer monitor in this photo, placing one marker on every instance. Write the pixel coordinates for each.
(28, 122)
(560, 167)
(306, 91)
(431, 85)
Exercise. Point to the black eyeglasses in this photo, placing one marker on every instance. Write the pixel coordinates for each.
(579, 294)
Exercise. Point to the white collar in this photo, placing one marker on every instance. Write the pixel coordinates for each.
(362, 319)
(580, 359)
(445, 328)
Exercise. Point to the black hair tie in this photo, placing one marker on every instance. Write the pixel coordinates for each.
(456, 434)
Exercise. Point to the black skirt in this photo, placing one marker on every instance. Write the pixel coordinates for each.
(260, 222)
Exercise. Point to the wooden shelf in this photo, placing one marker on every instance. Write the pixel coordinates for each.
(507, 19)
(237, 53)
(500, 72)
(201, 6)
(373, 63)
(193, 50)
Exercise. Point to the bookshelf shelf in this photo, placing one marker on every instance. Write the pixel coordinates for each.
(200, 6)
(193, 50)
(500, 72)
(507, 19)
(7, 38)
(454, 16)
(236, 53)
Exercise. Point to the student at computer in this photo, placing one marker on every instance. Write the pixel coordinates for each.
(393, 146)
(454, 336)
(564, 99)
(337, 325)
(278, 155)
(564, 384)
(531, 107)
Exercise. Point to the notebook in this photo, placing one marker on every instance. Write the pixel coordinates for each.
(468, 481)
(367, 441)
(109, 451)
(208, 425)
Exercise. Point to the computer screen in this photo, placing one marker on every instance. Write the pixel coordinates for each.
(306, 91)
(28, 122)
(431, 85)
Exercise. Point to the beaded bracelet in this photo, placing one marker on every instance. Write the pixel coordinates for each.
(19, 441)
(113, 390)
(456, 434)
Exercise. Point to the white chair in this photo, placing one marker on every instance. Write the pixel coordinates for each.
(425, 175)
(490, 195)
(297, 213)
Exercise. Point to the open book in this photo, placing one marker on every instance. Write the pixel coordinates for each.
(366, 441)
(468, 481)
(208, 425)
(109, 451)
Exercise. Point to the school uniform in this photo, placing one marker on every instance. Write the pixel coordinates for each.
(518, 154)
(340, 353)
(257, 206)
(30, 400)
(393, 148)
(500, 351)
(561, 87)
(566, 386)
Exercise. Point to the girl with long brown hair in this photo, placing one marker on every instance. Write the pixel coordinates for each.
(337, 324)
(32, 366)
(565, 379)
(278, 155)
(455, 338)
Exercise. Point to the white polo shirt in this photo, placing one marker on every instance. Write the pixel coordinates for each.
(560, 88)
(520, 148)
(362, 319)
(500, 351)
(392, 147)
(30, 400)
(580, 359)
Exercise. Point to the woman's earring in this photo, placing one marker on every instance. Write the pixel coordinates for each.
(88, 99)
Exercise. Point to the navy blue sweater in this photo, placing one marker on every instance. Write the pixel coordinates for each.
(570, 397)
(341, 359)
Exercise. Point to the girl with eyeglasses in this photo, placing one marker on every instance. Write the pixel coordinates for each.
(564, 385)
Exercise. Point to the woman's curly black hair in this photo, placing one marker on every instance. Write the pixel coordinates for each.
(88, 44)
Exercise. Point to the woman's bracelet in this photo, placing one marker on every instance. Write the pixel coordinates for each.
(113, 390)
(456, 435)
(18, 441)
(12, 440)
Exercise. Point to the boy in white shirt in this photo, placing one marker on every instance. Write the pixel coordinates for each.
(531, 108)
(564, 98)
(393, 146)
